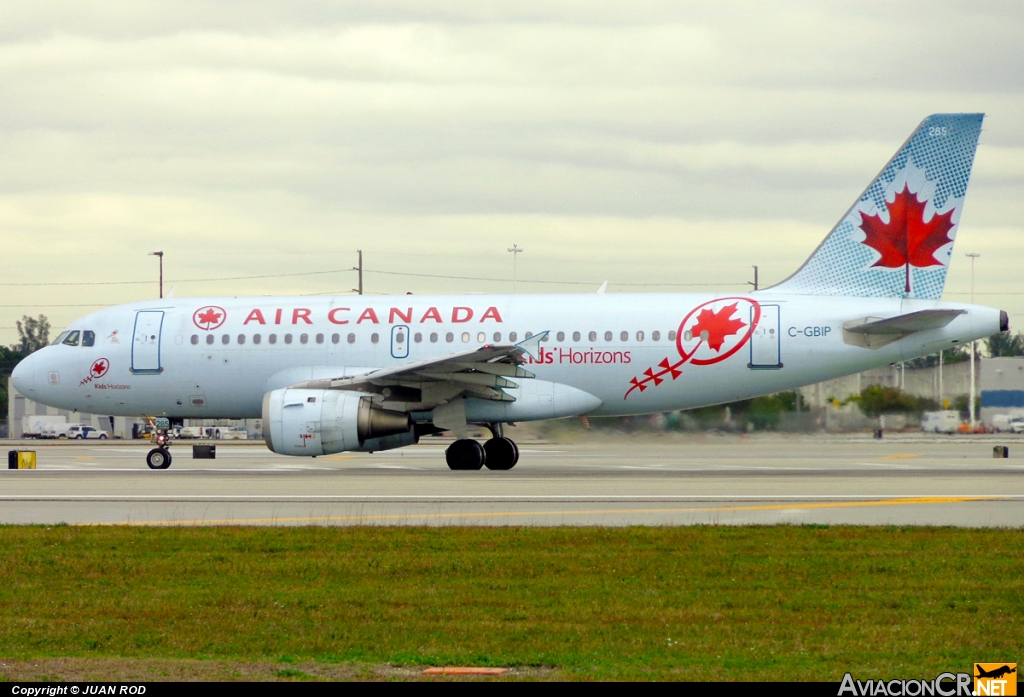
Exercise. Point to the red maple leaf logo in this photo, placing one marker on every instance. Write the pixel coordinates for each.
(906, 240)
(99, 368)
(713, 327)
(209, 317)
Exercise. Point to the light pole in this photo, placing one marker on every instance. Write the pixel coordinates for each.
(973, 256)
(360, 270)
(515, 249)
(161, 255)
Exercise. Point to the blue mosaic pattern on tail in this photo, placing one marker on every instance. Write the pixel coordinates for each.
(935, 163)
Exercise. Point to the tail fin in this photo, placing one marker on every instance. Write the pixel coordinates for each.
(896, 240)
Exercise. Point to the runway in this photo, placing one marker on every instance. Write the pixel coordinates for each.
(676, 480)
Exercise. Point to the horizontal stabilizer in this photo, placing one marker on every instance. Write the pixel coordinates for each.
(875, 332)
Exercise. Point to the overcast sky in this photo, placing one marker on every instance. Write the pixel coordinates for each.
(639, 142)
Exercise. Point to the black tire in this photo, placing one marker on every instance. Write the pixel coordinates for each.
(158, 459)
(103, 436)
(465, 454)
(502, 453)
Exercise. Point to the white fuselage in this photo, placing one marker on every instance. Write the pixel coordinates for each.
(178, 359)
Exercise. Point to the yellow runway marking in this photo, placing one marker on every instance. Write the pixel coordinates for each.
(84, 457)
(519, 514)
(899, 457)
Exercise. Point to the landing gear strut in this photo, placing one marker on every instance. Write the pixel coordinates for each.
(159, 458)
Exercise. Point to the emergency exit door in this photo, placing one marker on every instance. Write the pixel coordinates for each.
(400, 341)
(146, 341)
(765, 347)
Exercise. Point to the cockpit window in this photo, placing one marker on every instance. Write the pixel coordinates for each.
(88, 338)
(72, 339)
(60, 338)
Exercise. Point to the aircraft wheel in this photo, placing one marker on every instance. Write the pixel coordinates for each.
(158, 459)
(502, 453)
(465, 454)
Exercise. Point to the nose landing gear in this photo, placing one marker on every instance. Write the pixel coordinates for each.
(159, 458)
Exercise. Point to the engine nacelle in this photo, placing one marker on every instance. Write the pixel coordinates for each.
(321, 422)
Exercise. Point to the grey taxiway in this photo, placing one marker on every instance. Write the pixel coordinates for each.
(676, 480)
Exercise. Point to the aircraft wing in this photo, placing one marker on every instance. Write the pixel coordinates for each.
(875, 332)
(482, 373)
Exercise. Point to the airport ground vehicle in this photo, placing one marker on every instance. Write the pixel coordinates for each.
(947, 421)
(80, 432)
(367, 373)
(58, 430)
(32, 426)
(229, 433)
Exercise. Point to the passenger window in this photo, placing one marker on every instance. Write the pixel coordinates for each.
(225, 339)
(529, 334)
(241, 339)
(449, 337)
(272, 338)
(607, 336)
(547, 337)
(335, 338)
(639, 336)
(497, 336)
(417, 337)
(287, 338)
(319, 338)
(465, 337)
(560, 336)
(512, 336)
(575, 336)
(303, 338)
(256, 338)
(88, 338)
(481, 337)
(374, 338)
(72, 339)
(209, 338)
(60, 338)
(592, 336)
(655, 335)
(351, 338)
(195, 339)
(433, 337)
(624, 336)
(672, 335)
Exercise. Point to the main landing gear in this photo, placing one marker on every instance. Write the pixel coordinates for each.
(159, 458)
(498, 453)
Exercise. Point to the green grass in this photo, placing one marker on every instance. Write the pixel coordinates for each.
(750, 603)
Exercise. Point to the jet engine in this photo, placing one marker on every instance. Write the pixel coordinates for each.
(321, 422)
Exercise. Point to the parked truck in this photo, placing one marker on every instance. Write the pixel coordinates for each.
(940, 421)
(34, 426)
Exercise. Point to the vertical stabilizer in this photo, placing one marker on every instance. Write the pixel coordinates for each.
(897, 239)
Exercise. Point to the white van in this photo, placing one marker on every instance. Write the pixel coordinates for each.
(940, 421)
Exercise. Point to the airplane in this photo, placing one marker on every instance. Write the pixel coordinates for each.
(356, 373)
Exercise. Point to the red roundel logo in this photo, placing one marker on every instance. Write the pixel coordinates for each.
(710, 332)
(209, 317)
(99, 368)
(715, 330)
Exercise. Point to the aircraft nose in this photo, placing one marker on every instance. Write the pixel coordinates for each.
(23, 377)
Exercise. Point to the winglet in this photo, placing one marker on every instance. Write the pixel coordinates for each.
(531, 346)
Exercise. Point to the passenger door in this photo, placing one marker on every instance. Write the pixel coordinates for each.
(765, 352)
(400, 341)
(146, 341)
